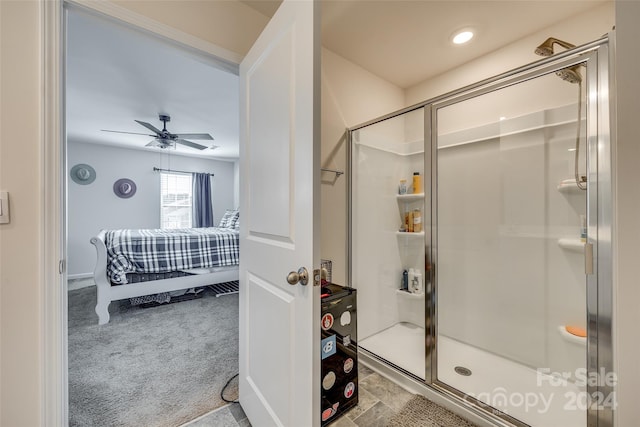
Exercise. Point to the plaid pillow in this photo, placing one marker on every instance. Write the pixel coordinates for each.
(229, 218)
(235, 223)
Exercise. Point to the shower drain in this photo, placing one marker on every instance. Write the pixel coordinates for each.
(462, 371)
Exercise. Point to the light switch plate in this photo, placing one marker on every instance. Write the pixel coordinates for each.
(4, 207)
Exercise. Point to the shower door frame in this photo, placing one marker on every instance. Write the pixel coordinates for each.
(599, 309)
(600, 142)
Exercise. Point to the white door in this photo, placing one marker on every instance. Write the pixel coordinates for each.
(279, 198)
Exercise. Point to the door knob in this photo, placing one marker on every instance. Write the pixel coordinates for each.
(301, 276)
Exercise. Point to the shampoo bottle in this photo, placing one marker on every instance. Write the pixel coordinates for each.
(417, 183)
(583, 228)
(417, 221)
(402, 188)
(418, 289)
(412, 277)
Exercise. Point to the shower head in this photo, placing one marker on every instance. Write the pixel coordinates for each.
(546, 48)
(569, 74)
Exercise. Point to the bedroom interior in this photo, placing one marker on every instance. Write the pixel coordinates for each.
(140, 361)
(332, 158)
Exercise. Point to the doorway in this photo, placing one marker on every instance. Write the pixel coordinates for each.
(115, 76)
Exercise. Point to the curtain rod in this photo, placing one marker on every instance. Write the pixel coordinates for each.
(155, 169)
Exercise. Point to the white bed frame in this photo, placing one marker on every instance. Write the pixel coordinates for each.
(108, 293)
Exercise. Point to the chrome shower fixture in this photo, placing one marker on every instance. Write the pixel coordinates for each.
(569, 74)
(546, 48)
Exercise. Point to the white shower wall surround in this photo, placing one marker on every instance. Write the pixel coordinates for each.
(382, 255)
(383, 158)
(499, 242)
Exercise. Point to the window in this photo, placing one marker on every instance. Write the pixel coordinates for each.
(175, 200)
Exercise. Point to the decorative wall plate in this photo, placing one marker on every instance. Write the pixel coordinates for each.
(82, 174)
(124, 188)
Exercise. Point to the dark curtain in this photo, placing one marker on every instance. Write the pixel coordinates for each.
(202, 206)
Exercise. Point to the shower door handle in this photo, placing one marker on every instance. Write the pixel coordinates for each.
(588, 258)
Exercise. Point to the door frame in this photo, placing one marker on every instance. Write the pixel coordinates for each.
(53, 307)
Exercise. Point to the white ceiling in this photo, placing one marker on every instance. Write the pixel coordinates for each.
(116, 74)
(407, 42)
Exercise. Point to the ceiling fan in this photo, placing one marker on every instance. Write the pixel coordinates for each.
(166, 139)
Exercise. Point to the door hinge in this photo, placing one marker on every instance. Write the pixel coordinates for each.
(588, 258)
(61, 266)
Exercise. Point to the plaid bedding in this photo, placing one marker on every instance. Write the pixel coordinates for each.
(158, 251)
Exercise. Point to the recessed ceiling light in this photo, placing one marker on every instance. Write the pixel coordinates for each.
(462, 36)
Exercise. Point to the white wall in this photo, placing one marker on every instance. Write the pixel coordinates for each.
(350, 96)
(21, 260)
(236, 184)
(94, 207)
(627, 206)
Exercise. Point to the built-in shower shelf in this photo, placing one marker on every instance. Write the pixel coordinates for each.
(409, 294)
(410, 234)
(410, 197)
(568, 186)
(572, 245)
(574, 339)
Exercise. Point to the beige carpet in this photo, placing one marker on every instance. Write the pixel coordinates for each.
(421, 412)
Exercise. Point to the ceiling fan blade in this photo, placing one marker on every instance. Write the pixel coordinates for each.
(149, 126)
(195, 136)
(132, 133)
(191, 144)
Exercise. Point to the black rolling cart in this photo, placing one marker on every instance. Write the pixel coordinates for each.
(339, 366)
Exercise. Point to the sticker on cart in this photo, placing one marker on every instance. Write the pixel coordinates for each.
(346, 340)
(327, 321)
(349, 390)
(328, 346)
(348, 365)
(330, 412)
(345, 318)
(329, 380)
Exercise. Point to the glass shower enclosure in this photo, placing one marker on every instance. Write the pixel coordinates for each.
(391, 263)
(486, 280)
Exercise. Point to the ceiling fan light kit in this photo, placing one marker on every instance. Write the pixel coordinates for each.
(166, 139)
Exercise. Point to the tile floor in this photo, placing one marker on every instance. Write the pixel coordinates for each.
(378, 401)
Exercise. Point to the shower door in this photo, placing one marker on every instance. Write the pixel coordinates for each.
(391, 305)
(514, 183)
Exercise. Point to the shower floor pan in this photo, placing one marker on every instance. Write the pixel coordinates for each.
(401, 344)
(518, 390)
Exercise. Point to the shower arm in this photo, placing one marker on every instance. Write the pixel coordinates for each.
(564, 44)
(546, 48)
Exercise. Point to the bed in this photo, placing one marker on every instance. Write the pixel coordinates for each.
(134, 263)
